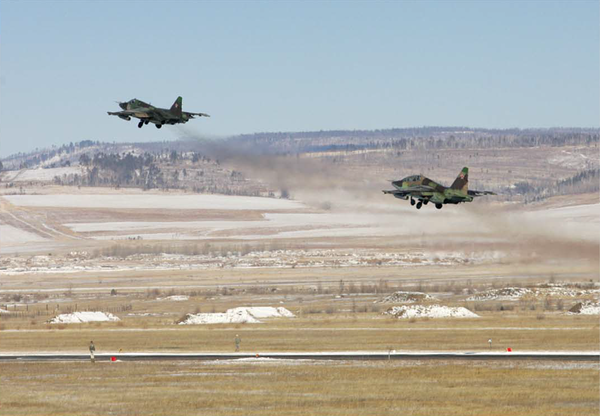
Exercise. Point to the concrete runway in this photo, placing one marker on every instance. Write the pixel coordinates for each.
(352, 356)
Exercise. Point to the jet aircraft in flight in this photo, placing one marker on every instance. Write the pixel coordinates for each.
(149, 114)
(424, 190)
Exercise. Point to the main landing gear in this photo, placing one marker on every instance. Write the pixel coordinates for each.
(158, 126)
(438, 206)
(419, 204)
(140, 124)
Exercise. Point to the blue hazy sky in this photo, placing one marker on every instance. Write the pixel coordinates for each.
(293, 66)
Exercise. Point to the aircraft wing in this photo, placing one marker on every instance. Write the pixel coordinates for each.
(191, 115)
(480, 193)
(411, 190)
(141, 113)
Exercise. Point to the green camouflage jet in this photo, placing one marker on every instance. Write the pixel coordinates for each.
(425, 190)
(149, 114)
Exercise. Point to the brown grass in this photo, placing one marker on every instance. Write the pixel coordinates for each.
(332, 388)
(320, 332)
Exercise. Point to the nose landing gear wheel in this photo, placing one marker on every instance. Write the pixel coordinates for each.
(438, 206)
(412, 201)
(419, 205)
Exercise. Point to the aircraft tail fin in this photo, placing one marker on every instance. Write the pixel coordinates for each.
(176, 107)
(461, 183)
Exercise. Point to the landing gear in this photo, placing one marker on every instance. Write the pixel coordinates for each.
(146, 122)
(140, 124)
(158, 126)
(412, 201)
(438, 206)
(419, 205)
(425, 201)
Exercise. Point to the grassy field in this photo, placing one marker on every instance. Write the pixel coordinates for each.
(274, 388)
(366, 331)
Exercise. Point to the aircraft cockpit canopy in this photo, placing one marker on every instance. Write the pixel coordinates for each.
(414, 178)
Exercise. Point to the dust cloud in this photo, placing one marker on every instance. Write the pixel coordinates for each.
(526, 233)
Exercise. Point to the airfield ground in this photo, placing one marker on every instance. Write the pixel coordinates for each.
(300, 388)
(151, 262)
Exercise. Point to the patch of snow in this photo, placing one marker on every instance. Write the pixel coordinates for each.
(229, 317)
(266, 312)
(82, 317)
(175, 298)
(146, 314)
(516, 293)
(405, 297)
(507, 293)
(153, 201)
(42, 175)
(242, 315)
(433, 311)
(12, 235)
(571, 160)
(585, 308)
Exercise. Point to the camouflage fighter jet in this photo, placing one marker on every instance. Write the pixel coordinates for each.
(425, 190)
(149, 114)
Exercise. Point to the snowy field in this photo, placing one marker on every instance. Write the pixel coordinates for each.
(163, 201)
(569, 222)
(579, 220)
(42, 175)
(578, 213)
(10, 235)
(359, 224)
(92, 220)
